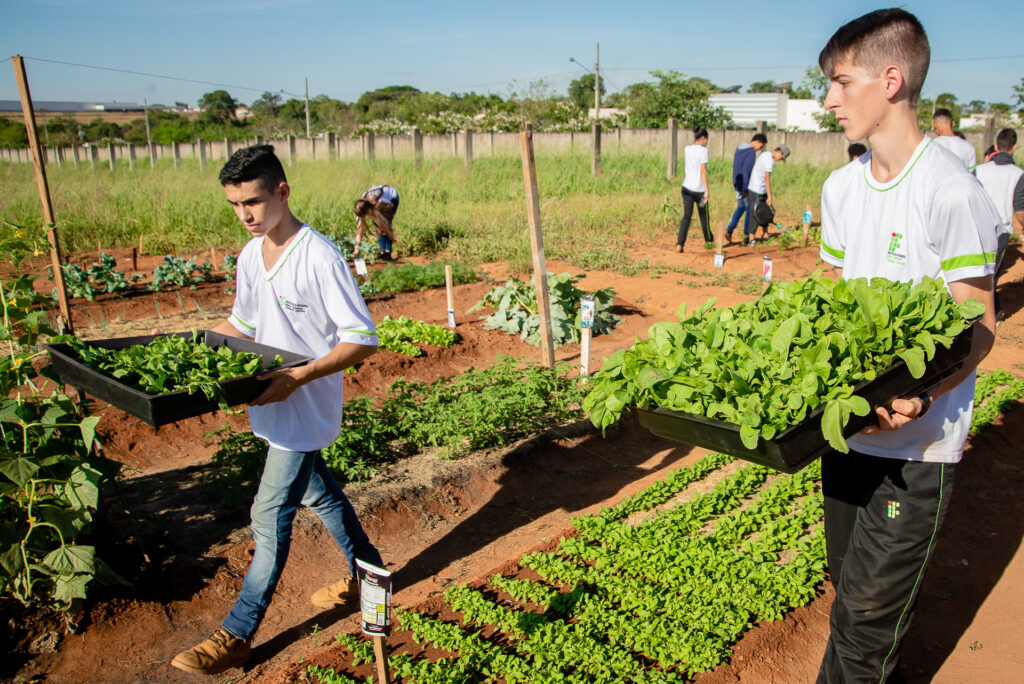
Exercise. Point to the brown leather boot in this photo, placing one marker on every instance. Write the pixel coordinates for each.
(220, 652)
(335, 594)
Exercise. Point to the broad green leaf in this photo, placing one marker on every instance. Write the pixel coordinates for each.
(914, 358)
(71, 559)
(70, 587)
(832, 427)
(18, 470)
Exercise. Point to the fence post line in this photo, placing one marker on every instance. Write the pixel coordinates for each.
(762, 127)
(595, 160)
(469, 148)
(332, 153)
(94, 157)
(152, 155)
(229, 149)
(490, 145)
(131, 156)
(111, 156)
(990, 131)
(74, 155)
(176, 153)
(201, 145)
(417, 146)
(371, 144)
(291, 149)
(673, 148)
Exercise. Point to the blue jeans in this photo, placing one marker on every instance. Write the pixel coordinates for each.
(290, 478)
(383, 243)
(742, 209)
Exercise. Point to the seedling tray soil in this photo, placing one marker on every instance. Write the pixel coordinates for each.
(800, 444)
(170, 407)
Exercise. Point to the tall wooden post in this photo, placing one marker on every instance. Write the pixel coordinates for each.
(540, 269)
(291, 149)
(201, 148)
(94, 157)
(131, 156)
(332, 152)
(111, 156)
(152, 155)
(371, 153)
(74, 156)
(176, 152)
(44, 192)
(595, 160)
(673, 149)
(990, 131)
(417, 146)
(469, 149)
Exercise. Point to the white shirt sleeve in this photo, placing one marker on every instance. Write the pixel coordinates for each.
(963, 225)
(345, 305)
(833, 235)
(244, 310)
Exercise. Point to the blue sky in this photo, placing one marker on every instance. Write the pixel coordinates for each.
(346, 48)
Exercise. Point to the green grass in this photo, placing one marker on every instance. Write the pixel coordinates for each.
(478, 215)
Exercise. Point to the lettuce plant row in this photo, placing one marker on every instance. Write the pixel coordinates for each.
(765, 365)
(656, 601)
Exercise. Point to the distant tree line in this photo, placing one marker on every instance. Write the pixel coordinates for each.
(398, 109)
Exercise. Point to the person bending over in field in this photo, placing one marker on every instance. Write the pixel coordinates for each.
(905, 210)
(294, 292)
(379, 204)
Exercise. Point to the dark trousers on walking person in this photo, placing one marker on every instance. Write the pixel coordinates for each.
(882, 518)
(689, 199)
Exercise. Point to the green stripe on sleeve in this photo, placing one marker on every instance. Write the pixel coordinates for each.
(966, 260)
(358, 332)
(832, 251)
(242, 323)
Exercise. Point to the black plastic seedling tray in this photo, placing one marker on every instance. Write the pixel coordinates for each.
(160, 409)
(798, 445)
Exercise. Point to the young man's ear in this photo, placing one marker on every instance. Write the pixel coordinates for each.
(283, 190)
(892, 80)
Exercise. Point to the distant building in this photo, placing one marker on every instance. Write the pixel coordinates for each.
(776, 109)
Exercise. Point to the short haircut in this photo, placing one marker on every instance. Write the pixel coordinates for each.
(761, 138)
(943, 113)
(1006, 139)
(856, 150)
(254, 163)
(878, 39)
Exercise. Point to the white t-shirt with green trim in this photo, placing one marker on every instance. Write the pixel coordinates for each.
(963, 150)
(764, 164)
(933, 219)
(307, 303)
(694, 156)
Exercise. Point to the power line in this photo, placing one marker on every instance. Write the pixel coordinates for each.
(164, 76)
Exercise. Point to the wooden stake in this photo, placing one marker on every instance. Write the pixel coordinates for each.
(135, 259)
(140, 244)
(380, 654)
(99, 247)
(213, 256)
(540, 270)
(44, 193)
(451, 300)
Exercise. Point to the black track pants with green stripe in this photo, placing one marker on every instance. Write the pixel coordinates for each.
(882, 519)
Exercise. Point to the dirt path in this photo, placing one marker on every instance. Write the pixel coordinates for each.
(438, 523)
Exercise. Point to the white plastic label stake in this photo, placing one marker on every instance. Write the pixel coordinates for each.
(360, 266)
(767, 271)
(719, 260)
(374, 598)
(451, 318)
(807, 216)
(587, 311)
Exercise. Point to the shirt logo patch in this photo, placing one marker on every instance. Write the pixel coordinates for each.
(892, 509)
(291, 306)
(895, 255)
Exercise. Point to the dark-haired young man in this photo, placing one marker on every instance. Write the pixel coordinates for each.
(1004, 182)
(945, 136)
(294, 292)
(742, 164)
(905, 210)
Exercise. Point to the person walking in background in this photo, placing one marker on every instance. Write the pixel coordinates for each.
(942, 123)
(695, 187)
(742, 165)
(1004, 182)
(908, 211)
(856, 150)
(760, 188)
(379, 204)
(294, 292)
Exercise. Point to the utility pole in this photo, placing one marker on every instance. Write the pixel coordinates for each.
(145, 107)
(307, 108)
(597, 82)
